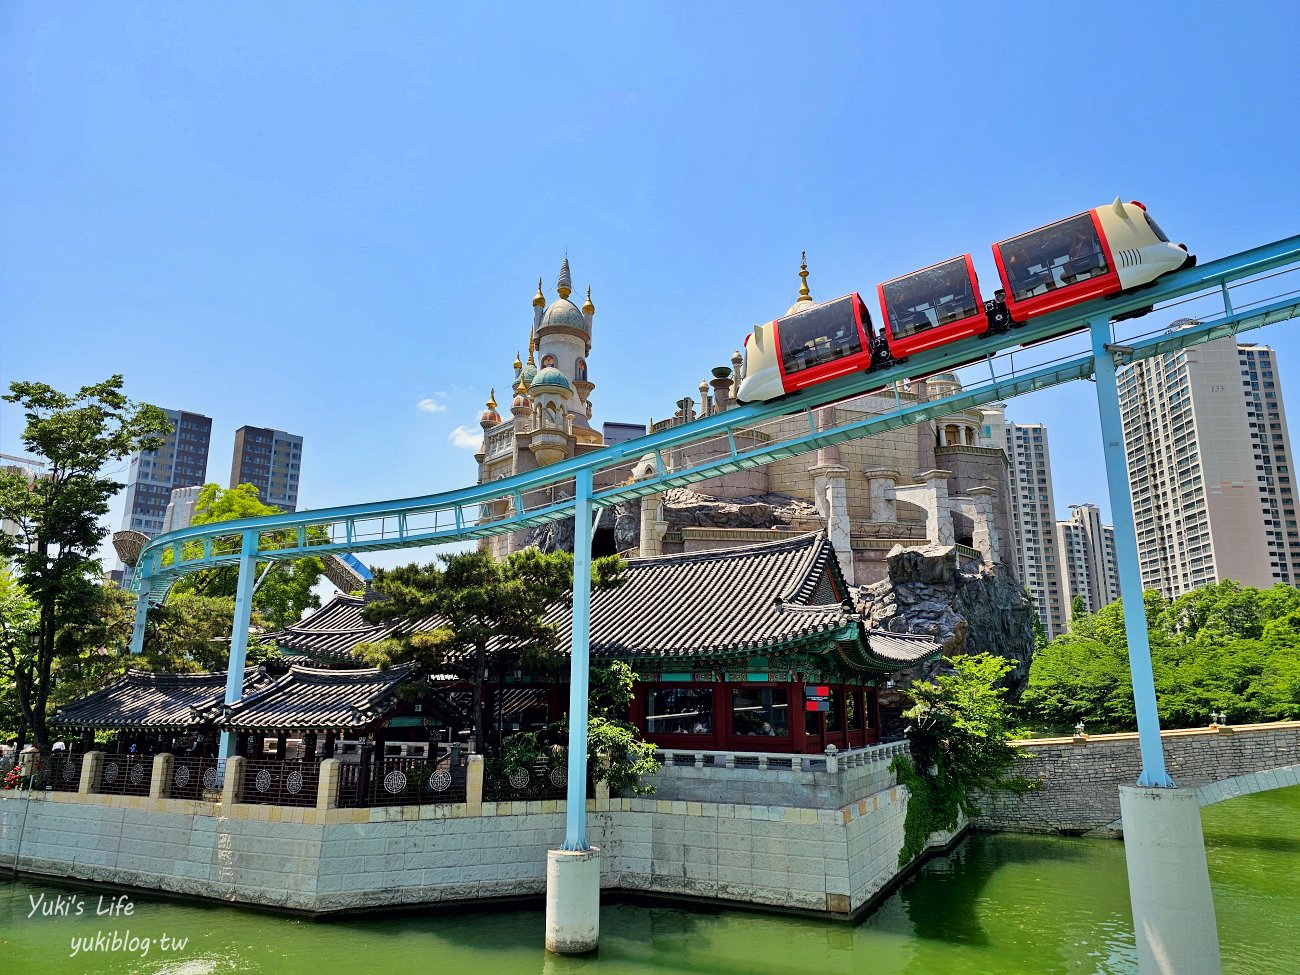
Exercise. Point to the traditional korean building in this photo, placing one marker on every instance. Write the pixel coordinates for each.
(751, 648)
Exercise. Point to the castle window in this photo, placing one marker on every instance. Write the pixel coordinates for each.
(580, 370)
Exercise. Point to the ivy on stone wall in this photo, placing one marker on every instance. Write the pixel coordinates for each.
(960, 730)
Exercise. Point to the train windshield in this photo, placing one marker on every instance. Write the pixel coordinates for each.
(927, 299)
(1155, 228)
(821, 334)
(1053, 257)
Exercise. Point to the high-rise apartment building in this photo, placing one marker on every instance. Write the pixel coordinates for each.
(1086, 554)
(181, 461)
(271, 460)
(1209, 463)
(1033, 513)
(29, 469)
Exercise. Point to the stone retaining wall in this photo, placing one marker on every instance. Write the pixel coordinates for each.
(827, 860)
(1081, 778)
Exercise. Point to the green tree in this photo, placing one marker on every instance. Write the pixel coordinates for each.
(479, 602)
(58, 513)
(960, 733)
(285, 590)
(1078, 608)
(19, 619)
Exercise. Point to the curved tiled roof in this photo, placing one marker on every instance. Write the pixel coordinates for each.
(692, 606)
(142, 699)
(307, 698)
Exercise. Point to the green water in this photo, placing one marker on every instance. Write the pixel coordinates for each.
(999, 905)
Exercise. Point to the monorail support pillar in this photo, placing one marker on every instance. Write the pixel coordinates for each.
(141, 619)
(1169, 880)
(573, 871)
(239, 631)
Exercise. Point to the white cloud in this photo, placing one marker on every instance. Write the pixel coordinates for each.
(466, 437)
(431, 406)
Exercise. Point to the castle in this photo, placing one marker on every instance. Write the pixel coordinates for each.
(933, 482)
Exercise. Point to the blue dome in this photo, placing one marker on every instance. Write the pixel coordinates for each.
(529, 372)
(563, 312)
(550, 376)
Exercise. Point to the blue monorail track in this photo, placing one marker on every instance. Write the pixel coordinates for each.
(736, 439)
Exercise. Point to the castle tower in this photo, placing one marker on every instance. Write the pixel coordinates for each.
(563, 344)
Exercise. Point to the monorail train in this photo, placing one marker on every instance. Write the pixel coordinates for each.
(1105, 251)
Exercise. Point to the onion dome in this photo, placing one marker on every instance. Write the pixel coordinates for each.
(587, 307)
(521, 403)
(519, 364)
(549, 378)
(490, 417)
(805, 300)
(539, 300)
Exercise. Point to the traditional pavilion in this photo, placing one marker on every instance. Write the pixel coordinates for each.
(751, 648)
(754, 648)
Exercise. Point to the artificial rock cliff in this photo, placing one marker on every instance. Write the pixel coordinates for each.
(967, 607)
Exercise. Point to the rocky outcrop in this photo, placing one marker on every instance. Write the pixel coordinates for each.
(967, 607)
(683, 508)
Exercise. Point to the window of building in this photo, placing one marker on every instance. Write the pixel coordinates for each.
(679, 710)
(760, 711)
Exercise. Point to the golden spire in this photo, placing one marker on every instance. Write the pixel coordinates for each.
(804, 293)
(520, 388)
(492, 399)
(587, 307)
(532, 343)
(518, 362)
(539, 301)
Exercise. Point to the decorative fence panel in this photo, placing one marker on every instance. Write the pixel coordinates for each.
(126, 774)
(269, 781)
(401, 782)
(192, 777)
(64, 771)
(542, 780)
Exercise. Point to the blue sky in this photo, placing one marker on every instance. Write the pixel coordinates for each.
(317, 216)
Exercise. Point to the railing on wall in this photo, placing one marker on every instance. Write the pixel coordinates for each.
(397, 781)
(273, 782)
(63, 772)
(125, 774)
(543, 780)
(832, 760)
(192, 777)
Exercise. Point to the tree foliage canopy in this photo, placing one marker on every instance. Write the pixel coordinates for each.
(58, 515)
(286, 591)
(960, 731)
(1221, 648)
(481, 602)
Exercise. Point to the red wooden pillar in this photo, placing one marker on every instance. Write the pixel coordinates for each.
(798, 727)
(721, 714)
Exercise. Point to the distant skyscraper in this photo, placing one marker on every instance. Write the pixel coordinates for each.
(1209, 462)
(1033, 513)
(1086, 553)
(182, 461)
(271, 460)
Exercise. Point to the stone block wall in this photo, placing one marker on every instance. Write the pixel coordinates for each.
(827, 860)
(1080, 790)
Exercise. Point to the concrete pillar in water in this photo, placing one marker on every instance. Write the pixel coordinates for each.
(1169, 882)
(572, 901)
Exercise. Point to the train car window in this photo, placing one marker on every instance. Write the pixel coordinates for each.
(823, 333)
(1051, 257)
(927, 299)
(1155, 228)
